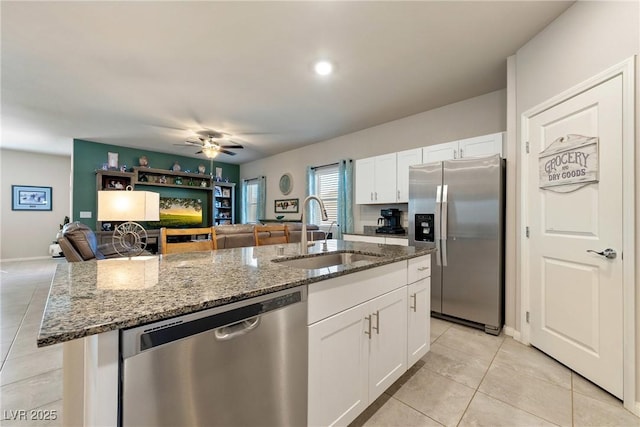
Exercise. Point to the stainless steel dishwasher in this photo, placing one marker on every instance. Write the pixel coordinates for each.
(242, 364)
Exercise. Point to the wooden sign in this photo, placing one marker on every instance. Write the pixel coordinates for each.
(569, 163)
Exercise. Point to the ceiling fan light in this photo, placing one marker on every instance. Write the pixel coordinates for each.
(210, 152)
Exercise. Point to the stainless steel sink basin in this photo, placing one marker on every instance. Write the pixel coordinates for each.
(327, 260)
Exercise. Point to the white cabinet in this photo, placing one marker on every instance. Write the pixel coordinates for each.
(387, 341)
(404, 160)
(376, 239)
(440, 152)
(354, 356)
(338, 368)
(375, 179)
(419, 313)
(479, 146)
(357, 341)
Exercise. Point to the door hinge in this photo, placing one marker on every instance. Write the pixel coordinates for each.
(526, 231)
(527, 146)
(527, 316)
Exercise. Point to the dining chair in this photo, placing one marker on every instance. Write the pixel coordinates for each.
(194, 244)
(276, 234)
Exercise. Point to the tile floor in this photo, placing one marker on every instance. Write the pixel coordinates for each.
(468, 377)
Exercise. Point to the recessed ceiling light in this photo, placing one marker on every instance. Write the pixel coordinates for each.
(323, 68)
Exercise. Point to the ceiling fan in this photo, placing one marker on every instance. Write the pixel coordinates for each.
(210, 143)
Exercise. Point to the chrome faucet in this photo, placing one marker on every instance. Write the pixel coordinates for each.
(326, 236)
(323, 211)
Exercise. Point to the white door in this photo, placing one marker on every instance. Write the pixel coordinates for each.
(576, 296)
(405, 159)
(365, 184)
(385, 179)
(338, 354)
(481, 146)
(388, 344)
(440, 152)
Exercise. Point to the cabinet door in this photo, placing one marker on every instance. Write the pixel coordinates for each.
(404, 160)
(365, 183)
(418, 320)
(481, 146)
(440, 152)
(388, 343)
(338, 368)
(385, 179)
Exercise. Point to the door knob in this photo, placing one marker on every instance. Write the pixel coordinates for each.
(607, 253)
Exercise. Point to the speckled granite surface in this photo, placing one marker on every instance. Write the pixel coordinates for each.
(92, 297)
(370, 230)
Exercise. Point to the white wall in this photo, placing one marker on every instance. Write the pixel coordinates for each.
(584, 41)
(472, 117)
(28, 234)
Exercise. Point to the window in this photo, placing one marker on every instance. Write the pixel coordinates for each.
(326, 184)
(252, 201)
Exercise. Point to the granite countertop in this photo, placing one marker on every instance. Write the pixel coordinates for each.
(371, 231)
(93, 297)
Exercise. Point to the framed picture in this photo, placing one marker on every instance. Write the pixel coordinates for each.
(28, 198)
(286, 206)
(226, 192)
(112, 160)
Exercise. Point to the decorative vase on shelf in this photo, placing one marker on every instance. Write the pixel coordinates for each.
(176, 167)
(178, 180)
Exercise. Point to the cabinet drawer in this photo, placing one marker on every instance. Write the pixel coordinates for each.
(419, 268)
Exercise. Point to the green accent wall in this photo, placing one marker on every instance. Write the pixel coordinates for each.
(89, 156)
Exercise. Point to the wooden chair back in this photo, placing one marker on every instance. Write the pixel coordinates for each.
(260, 238)
(192, 245)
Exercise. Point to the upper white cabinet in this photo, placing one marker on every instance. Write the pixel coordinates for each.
(376, 179)
(440, 152)
(479, 146)
(404, 160)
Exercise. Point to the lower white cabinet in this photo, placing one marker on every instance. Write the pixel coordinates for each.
(418, 320)
(376, 239)
(354, 356)
(365, 330)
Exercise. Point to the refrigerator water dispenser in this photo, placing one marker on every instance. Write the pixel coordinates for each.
(424, 227)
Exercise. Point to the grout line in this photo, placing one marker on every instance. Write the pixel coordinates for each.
(475, 391)
(415, 409)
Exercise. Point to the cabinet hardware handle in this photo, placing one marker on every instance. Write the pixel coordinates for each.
(398, 194)
(376, 195)
(415, 302)
(461, 155)
(369, 328)
(423, 268)
(455, 154)
(371, 196)
(377, 327)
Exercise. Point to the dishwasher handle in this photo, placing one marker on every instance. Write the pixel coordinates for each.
(240, 328)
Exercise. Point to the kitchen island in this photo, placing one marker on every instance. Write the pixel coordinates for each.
(90, 302)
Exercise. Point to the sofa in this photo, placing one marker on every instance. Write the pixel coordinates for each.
(241, 235)
(79, 243)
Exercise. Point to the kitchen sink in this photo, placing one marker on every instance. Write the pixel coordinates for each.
(327, 260)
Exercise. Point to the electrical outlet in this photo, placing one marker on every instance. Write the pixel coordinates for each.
(85, 214)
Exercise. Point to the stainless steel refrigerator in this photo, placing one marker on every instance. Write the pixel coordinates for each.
(457, 207)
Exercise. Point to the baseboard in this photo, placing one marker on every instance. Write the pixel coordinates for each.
(509, 331)
(636, 409)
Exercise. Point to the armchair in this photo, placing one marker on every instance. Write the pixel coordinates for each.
(79, 243)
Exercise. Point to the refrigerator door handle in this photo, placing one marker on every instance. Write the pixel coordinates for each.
(437, 223)
(445, 211)
(438, 209)
(443, 252)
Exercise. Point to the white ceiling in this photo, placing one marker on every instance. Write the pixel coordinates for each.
(150, 74)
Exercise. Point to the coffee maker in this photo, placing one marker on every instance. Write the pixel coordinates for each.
(390, 220)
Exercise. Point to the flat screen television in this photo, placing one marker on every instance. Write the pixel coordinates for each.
(178, 212)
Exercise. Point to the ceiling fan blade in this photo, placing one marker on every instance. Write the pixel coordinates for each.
(231, 153)
(236, 146)
(199, 152)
